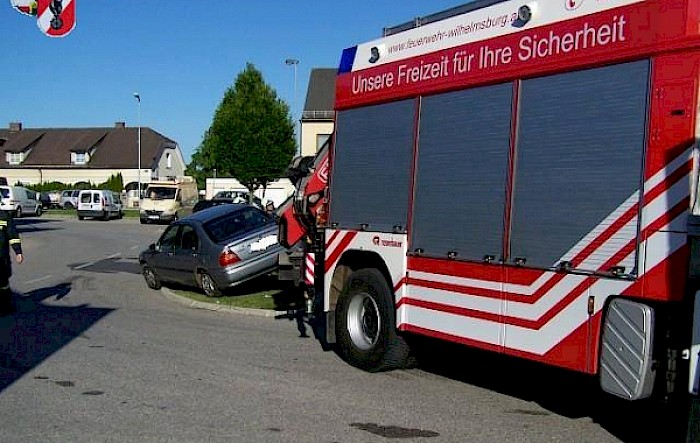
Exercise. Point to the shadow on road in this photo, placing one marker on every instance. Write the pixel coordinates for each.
(37, 330)
(26, 225)
(559, 391)
(109, 266)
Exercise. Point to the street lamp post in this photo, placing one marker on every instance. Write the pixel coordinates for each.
(294, 62)
(138, 100)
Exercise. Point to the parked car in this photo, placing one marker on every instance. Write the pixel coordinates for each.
(19, 201)
(204, 204)
(45, 200)
(238, 197)
(69, 199)
(97, 203)
(49, 200)
(118, 203)
(213, 249)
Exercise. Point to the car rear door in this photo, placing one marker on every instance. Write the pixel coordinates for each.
(29, 201)
(187, 255)
(85, 201)
(6, 197)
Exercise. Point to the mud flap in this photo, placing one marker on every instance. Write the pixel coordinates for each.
(330, 326)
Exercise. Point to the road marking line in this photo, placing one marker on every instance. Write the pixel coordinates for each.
(92, 263)
(46, 277)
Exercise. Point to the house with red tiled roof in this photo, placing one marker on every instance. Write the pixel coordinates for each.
(71, 155)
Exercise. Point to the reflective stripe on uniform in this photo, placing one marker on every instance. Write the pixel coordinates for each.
(15, 241)
(3, 222)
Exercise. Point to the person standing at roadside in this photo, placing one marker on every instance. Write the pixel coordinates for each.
(8, 238)
(270, 208)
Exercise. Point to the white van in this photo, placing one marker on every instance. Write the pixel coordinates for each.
(98, 203)
(19, 201)
(167, 201)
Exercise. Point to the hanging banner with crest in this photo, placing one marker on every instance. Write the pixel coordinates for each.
(56, 18)
(27, 7)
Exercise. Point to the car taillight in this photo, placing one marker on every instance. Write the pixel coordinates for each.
(228, 258)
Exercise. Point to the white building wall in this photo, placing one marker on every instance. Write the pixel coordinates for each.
(177, 164)
(71, 176)
(309, 131)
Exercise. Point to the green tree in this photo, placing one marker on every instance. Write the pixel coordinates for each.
(251, 136)
(114, 183)
(200, 165)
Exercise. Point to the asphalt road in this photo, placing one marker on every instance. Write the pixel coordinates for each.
(93, 355)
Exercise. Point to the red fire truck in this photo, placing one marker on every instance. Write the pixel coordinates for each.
(519, 177)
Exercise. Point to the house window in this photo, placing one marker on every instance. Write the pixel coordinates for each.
(321, 140)
(79, 158)
(14, 158)
(168, 161)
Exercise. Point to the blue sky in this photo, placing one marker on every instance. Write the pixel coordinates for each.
(180, 56)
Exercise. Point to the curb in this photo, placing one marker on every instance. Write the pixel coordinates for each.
(215, 307)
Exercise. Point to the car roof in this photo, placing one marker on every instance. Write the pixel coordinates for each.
(214, 212)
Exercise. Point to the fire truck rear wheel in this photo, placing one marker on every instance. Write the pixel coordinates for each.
(366, 324)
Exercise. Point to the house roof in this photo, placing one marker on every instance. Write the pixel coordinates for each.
(320, 95)
(112, 148)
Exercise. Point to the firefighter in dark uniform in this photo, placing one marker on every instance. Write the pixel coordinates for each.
(8, 238)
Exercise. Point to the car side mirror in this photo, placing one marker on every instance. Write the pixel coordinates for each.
(152, 247)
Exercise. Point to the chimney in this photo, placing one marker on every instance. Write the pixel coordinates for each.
(15, 126)
(120, 125)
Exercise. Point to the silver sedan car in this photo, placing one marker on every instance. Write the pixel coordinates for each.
(213, 249)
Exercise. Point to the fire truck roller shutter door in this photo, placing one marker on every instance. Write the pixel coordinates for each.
(372, 166)
(461, 172)
(581, 139)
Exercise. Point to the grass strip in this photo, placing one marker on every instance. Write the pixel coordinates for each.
(262, 293)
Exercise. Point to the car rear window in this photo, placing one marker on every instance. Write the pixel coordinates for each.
(231, 225)
(86, 198)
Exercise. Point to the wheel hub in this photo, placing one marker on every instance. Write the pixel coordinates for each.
(364, 322)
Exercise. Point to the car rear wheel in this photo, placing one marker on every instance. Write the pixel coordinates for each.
(151, 278)
(208, 285)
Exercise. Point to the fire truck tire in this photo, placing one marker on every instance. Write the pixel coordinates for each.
(366, 324)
